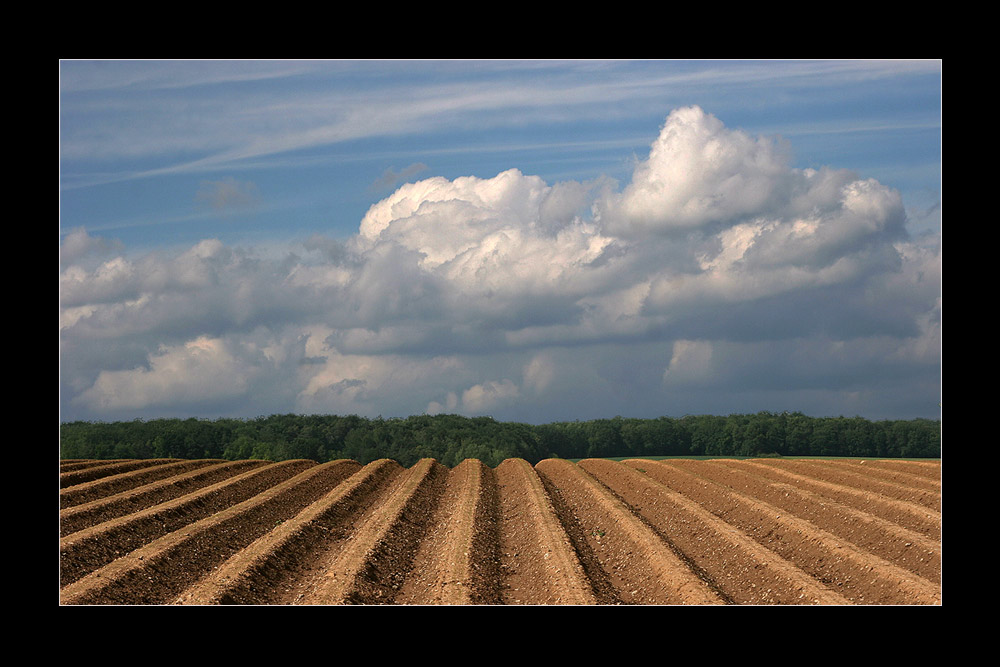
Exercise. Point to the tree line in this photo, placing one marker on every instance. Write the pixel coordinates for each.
(452, 438)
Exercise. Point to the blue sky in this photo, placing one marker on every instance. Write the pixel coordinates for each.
(536, 240)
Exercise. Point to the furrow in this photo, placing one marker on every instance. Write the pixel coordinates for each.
(92, 548)
(78, 517)
(869, 533)
(158, 572)
(927, 499)
(458, 561)
(644, 569)
(927, 470)
(277, 563)
(119, 480)
(910, 516)
(768, 531)
(858, 575)
(891, 475)
(374, 562)
(71, 465)
(743, 570)
(106, 468)
(539, 564)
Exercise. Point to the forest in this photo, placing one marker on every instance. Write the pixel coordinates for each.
(452, 438)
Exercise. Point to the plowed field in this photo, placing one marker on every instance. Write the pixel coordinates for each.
(639, 532)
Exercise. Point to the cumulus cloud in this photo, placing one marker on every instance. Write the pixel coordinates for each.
(488, 396)
(449, 405)
(691, 361)
(495, 295)
(539, 373)
(199, 370)
(698, 173)
(79, 245)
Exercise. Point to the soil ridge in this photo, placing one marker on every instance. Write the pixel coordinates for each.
(179, 558)
(374, 563)
(870, 533)
(87, 550)
(859, 576)
(648, 570)
(78, 517)
(260, 573)
(538, 560)
(743, 570)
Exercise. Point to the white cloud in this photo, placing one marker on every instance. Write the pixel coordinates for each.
(451, 284)
(470, 219)
(347, 383)
(699, 172)
(79, 245)
(199, 370)
(486, 397)
(691, 362)
(449, 405)
(539, 373)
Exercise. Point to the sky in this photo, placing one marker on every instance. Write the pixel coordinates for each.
(536, 240)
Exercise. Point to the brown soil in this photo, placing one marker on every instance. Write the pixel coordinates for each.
(458, 562)
(876, 535)
(139, 542)
(71, 465)
(642, 532)
(644, 568)
(740, 569)
(859, 575)
(858, 477)
(136, 499)
(539, 564)
(906, 515)
(101, 481)
(280, 564)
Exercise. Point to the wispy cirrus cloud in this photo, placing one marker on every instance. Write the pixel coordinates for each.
(322, 103)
